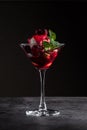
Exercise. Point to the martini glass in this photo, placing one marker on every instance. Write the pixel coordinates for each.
(42, 50)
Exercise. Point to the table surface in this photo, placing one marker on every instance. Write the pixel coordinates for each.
(73, 113)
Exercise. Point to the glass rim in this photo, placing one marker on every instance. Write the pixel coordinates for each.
(25, 43)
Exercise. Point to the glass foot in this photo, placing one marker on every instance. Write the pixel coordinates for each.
(48, 112)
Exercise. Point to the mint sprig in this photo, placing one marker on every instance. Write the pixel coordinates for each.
(53, 44)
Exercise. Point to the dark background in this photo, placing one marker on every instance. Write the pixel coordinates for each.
(19, 20)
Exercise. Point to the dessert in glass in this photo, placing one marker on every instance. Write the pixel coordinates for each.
(42, 49)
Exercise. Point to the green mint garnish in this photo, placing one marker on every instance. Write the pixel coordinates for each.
(53, 44)
(47, 46)
(52, 35)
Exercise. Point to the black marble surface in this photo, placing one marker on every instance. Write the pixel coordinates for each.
(73, 113)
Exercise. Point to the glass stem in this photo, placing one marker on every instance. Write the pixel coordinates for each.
(42, 105)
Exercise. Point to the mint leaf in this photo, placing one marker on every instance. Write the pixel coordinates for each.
(52, 45)
(47, 46)
(52, 35)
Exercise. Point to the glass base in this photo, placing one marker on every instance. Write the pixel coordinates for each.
(48, 112)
